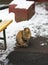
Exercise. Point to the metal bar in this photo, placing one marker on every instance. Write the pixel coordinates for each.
(1, 38)
(4, 35)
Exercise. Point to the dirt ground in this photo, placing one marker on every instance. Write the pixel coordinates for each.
(38, 44)
(35, 54)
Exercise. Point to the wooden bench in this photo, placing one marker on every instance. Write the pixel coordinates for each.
(3, 26)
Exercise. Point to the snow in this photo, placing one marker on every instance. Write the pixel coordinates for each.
(17, 1)
(38, 25)
(22, 4)
(25, 4)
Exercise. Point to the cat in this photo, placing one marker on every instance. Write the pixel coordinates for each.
(23, 37)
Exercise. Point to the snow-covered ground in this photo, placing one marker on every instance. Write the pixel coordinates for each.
(38, 25)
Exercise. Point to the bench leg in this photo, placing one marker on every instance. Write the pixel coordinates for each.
(4, 35)
(4, 38)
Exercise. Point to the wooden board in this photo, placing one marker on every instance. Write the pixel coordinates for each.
(4, 24)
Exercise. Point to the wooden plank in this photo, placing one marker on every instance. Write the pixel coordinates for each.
(4, 24)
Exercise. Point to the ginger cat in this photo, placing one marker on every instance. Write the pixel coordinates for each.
(23, 37)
